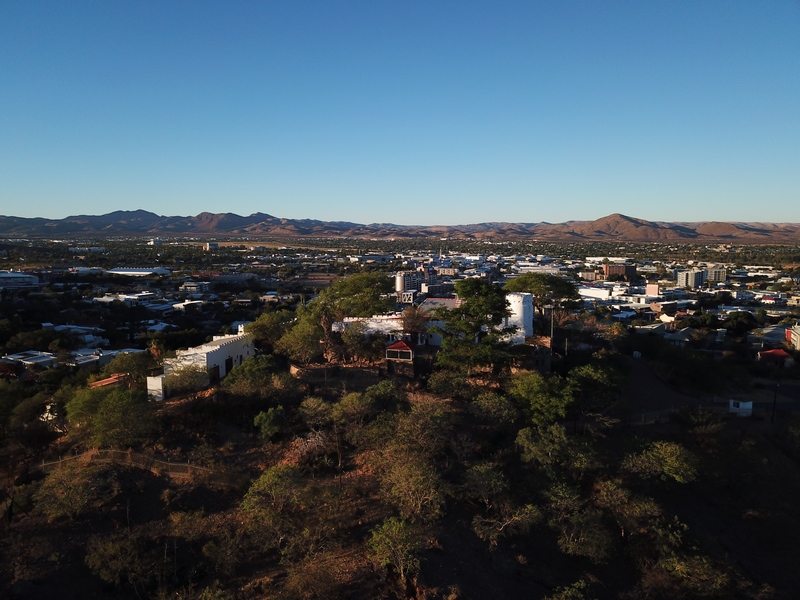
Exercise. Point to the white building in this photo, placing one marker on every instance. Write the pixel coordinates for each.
(690, 279)
(716, 274)
(15, 279)
(217, 358)
(136, 272)
(33, 358)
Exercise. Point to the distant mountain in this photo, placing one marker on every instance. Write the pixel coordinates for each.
(614, 227)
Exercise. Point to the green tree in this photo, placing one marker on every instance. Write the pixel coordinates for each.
(270, 423)
(545, 288)
(483, 482)
(119, 559)
(543, 399)
(302, 342)
(361, 346)
(269, 327)
(665, 460)
(253, 377)
(111, 416)
(472, 333)
(315, 412)
(138, 365)
(414, 487)
(124, 418)
(396, 543)
(277, 487)
(505, 521)
(186, 380)
(361, 295)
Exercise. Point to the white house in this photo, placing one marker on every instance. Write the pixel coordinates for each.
(216, 358)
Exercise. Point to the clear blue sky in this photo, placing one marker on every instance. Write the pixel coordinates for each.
(427, 112)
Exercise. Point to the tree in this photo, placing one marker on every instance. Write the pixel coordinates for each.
(268, 505)
(361, 295)
(270, 423)
(186, 380)
(631, 512)
(352, 410)
(361, 346)
(506, 520)
(592, 388)
(68, 490)
(546, 289)
(396, 543)
(472, 335)
(414, 487)
(119, 558)
(665, 460)
(582, 529)
(124, 418)
(111, 416)
(414, 320)
(137, 365)
(483, 482)
(303, 341)
(544, 400)
(269, 327)
(253, 377)
(315, 412)
(276, 488)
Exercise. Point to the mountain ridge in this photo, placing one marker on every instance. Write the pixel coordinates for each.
(613, 227)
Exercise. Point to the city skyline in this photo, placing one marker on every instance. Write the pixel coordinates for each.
(413, 114)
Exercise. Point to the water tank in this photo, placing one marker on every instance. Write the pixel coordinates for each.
(521, 317)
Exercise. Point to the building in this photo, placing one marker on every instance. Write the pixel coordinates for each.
(408, 280)
(793, 337)
(216, 358)
(716, 275)
(691, 279)
(400, 350)
(136, 272)
(195, 287)
(626, 271)
(16, 280)
(33, 358)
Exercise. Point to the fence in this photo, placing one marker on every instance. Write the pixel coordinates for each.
(136, 459)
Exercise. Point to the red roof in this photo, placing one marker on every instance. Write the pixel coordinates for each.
(399, 345)
(115, 379)
(773, 355)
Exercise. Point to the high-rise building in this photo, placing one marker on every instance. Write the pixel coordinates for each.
(716, 274)
(691, 279)
(627, 271)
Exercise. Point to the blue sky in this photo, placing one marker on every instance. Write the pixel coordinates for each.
(427, 112)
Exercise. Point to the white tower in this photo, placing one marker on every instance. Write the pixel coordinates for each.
(521, 317)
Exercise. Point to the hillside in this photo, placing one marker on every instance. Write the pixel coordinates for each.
(615, 227)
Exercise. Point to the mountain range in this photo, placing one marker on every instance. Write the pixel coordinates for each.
(615, 227)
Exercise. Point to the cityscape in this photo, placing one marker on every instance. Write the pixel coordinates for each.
(138, 368)
(399, 301)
